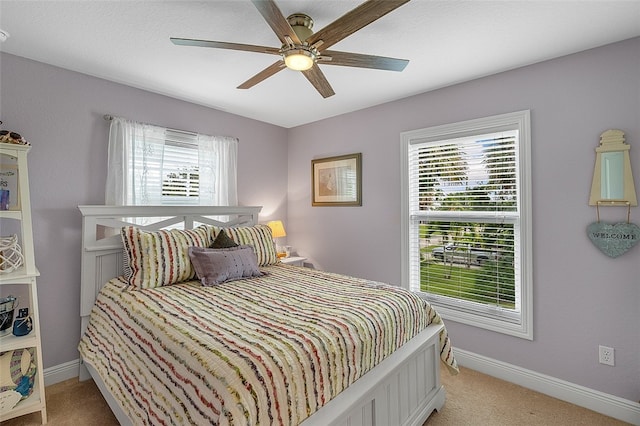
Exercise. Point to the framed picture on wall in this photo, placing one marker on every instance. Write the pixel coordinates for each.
(9, 197)
(337, 181)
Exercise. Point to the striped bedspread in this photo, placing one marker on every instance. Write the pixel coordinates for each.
(265, 350)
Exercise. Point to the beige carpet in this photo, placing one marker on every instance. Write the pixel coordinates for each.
(472, 399)
(477, 399)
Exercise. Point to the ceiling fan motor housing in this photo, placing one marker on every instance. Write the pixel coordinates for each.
(301, 25)
(299, 57)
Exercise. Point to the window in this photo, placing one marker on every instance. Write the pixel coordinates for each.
(152, 165)
(180, 172)
(466, 231)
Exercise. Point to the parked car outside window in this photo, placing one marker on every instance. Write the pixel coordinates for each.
(463, 254)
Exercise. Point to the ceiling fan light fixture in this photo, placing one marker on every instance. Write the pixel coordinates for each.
(298, 59)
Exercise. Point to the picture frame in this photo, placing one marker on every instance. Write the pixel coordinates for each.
(9, 182)
(337, 181)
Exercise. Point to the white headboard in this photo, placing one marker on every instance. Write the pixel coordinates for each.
(102, 243)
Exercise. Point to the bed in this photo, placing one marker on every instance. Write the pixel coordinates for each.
(279, 344)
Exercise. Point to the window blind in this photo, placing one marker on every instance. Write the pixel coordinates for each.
(464, 222)
(168, 162)
(180, 168)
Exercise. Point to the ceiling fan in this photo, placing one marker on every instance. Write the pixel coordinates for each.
(302, 49)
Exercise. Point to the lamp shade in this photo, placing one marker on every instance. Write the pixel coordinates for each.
(277, 228)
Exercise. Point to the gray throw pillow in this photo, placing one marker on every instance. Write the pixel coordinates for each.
(215, 266)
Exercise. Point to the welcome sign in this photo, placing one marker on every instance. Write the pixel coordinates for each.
(614, 240)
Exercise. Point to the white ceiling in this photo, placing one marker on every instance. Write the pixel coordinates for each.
(447, 42)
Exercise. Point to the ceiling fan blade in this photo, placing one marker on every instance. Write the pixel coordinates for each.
(263, 75)
(319, 81)
(276, 20)
(358, 60)
(224, 45)
(352, 21)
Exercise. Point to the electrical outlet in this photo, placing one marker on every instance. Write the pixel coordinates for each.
(606, 355)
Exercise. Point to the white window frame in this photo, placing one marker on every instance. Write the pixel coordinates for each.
(494, 318)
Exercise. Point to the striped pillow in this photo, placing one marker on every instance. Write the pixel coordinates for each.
(258, 236)
(158, 258)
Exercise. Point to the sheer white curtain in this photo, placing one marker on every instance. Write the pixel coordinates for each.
(218, 156)
(136, 171)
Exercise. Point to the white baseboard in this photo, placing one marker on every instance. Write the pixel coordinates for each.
(609, 405)
(61, 372)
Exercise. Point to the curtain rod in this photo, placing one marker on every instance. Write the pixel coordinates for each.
(110, 117)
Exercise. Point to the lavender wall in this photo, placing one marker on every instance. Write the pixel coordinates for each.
(582, 298)
(61, 113)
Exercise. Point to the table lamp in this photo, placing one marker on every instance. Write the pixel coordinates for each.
(277, 229)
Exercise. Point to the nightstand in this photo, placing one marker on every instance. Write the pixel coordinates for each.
(293, 260)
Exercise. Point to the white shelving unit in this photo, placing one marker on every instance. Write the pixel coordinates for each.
(25, 275)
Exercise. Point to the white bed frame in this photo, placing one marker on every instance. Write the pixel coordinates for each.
(402, 390)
